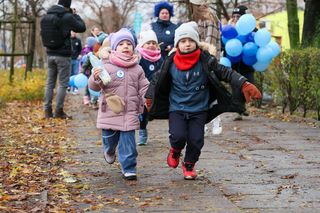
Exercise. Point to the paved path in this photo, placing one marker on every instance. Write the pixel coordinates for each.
(255, 165)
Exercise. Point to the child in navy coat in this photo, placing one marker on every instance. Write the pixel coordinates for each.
(188, 91)
(150, 62)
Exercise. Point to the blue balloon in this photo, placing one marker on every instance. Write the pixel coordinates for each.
(250, 37)
(264, 54)
(260, 66)
(233, 47)
(249, 60)
(94, 93)
(250, 49)
(71, 81)
(81, 80)
(229, 32)
(234, 59)
(84, 59)
(262, 37)
(246, 24)
(225, 62)
(242, 38)
(275, 48)
(224, 40)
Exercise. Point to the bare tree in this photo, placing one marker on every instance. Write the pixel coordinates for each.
(109, 15)
(33, 10)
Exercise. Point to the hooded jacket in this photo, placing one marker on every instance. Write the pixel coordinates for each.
(69, 22)
(220, 99)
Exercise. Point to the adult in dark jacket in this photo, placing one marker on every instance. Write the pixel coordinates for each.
(59, 59)
(240, 67)
(76, 48)
(163, 27)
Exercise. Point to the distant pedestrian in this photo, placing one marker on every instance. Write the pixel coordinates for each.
(121, 101)
(86, 69)
(76, 48)
(57, 40)
(150, 62)
(163, 27)
(210, 36)
(188, 91)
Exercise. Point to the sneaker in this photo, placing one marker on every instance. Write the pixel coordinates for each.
(188, 171)
(75, 91)
(173, 157)
(86, 100)
(238, 118)
(143, 137)
(216, 126)
(206, 130)
(130, 176)
(48, 113)
(245, 113)
(110, 158)
(94, 106)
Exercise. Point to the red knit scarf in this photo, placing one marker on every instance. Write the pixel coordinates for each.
(186, 61)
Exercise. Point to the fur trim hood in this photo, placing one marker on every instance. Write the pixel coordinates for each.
(163, 5)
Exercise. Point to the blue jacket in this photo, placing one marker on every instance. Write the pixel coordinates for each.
(150, 67)
(165, 33)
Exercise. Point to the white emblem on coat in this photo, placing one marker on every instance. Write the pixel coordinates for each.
(151, 67)
(120, 74)
(168, 32)
(76, 43)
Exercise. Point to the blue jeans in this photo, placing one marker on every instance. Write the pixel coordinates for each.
(127, 152)
(74, 68)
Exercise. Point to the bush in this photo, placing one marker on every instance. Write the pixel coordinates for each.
(30, 89)
(295, 80)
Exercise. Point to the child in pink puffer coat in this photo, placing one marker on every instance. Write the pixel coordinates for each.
(121, 102)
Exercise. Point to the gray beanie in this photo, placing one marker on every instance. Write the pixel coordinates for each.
(187, 30)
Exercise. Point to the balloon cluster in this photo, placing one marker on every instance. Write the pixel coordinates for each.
(79, 80)
(254, 49)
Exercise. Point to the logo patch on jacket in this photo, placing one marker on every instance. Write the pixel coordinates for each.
(151, 67)
(120, 74)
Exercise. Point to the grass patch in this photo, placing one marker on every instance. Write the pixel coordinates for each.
(22, 90)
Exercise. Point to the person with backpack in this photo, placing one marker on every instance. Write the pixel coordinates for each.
(56, 26)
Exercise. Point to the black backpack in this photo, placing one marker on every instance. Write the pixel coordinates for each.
(51, 33)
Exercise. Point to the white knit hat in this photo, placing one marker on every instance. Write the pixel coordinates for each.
(187, 30)
(145, 36)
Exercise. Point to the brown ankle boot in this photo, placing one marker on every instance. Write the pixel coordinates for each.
(48, 113)
(61, 114)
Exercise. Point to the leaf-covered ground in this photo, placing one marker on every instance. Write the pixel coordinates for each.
(32, 155)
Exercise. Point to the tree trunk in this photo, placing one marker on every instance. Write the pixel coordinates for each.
(32, 46)
(293, 23)
(311, 25)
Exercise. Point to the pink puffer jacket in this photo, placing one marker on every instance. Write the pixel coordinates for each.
(131, 85)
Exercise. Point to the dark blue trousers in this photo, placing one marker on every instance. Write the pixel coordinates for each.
(187, 129)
